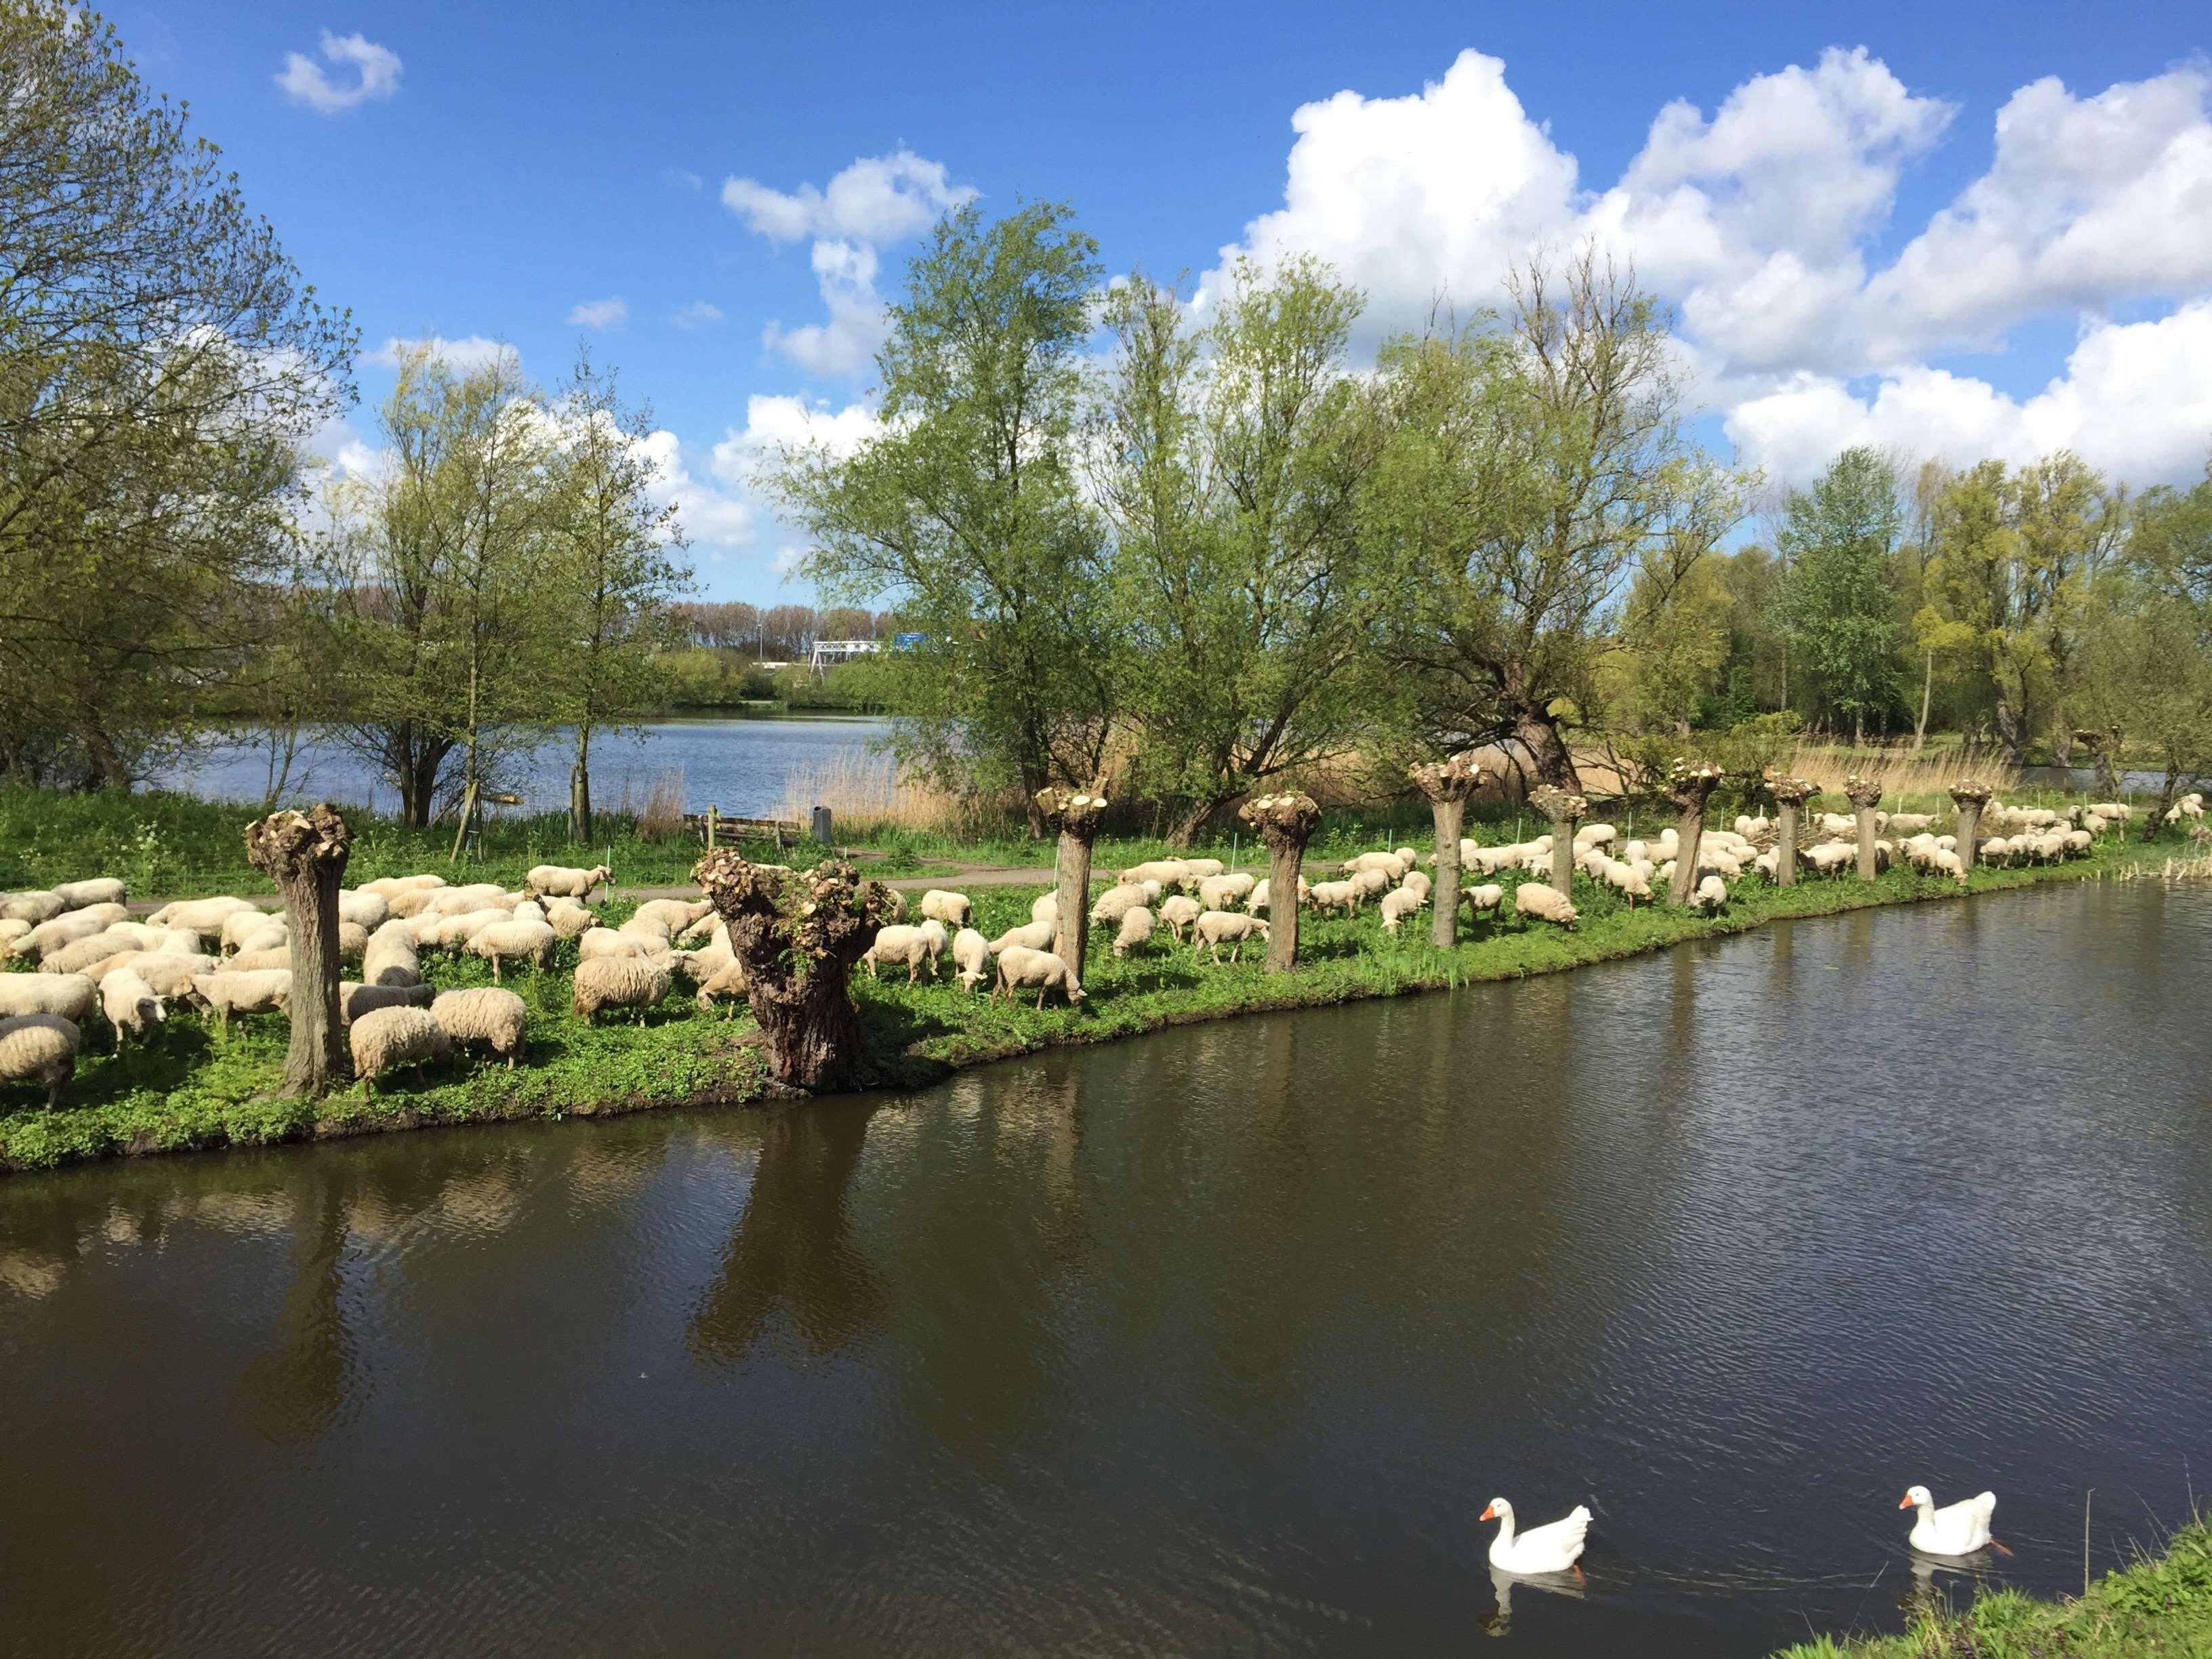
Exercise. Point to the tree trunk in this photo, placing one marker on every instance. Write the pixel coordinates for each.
(1970, 823)
(1863, 803)
(2011, 731)
(812, 1027)
(1927, 691)
(1284, 864)
(1689, 831)
(1539, 734)
(1443, 897)
(1072, 893)
(305, 855)
(1785, 844)
(1858, 727)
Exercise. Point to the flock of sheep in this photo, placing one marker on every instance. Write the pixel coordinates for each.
(228, 957)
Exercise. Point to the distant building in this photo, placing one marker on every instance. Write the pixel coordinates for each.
(828, 653)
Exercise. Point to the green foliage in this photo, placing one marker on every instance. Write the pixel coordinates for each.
(1839, 539)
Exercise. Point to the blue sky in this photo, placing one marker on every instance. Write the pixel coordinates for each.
(503, 170)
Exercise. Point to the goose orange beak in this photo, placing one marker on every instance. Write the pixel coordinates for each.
(1905, 1502)
(1489, 1513)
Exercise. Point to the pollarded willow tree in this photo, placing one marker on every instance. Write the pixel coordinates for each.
(799, 934)
(1791, 795)
(304, 853)
(1448, 785)
(1073, 815)
(1286, 823)
(1689, 786)
(1566, 810)
(1864, 795)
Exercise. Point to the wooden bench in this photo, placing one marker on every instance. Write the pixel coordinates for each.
(716, 828)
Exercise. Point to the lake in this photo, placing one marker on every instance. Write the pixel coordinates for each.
(741, 765)
(1217, 1341)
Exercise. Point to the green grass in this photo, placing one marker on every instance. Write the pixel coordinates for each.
(2160, 1608)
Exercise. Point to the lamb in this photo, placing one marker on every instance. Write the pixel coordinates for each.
(942, 904)
(1179, 911)
(1117, 901)
(1596, 834)
(913, 947)
(34, 907)
(76, 895)
(1631, 881)
(1343, 895)
(1045, 907)
(1945, 862)
(1197, 870)
(454, 932)
(514, 941)
(1397, 904)
(1136, 929)
(1534, 898)
(528, 910)
(39, 1049)
(1034, 937)
(1709, 894)
(364, 909)
(484, 1014)
(1020, 967)
(1219, 892)
(561, 881)
(385, 1038)
(131, 1006)
(618, 982)
(726, 986)
(2190, 806)
(266, 991)
(1488, 896)
(203, 916)
(971, 958)
(459, 901)
(67, 996)
(355, 998)
(1215, 928)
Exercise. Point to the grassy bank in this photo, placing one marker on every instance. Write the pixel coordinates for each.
(193, 1087)
(2157, 1608)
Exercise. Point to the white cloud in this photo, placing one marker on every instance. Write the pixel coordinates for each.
(471, 351)
(700, 313)
(305, 83)
(611, 312)
(776, 423)
(877, 201)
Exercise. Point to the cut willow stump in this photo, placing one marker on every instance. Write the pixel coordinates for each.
(1969, 798)
(1791, 795)
(1689, 787)
(799, 934)
(305, 855)
(1566, 811)
(1075, 816)
(1864, 795)
(1287, 824)
(1448, 784)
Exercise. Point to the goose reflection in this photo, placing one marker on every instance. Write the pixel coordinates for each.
(1500, 1621)
(791, 1247)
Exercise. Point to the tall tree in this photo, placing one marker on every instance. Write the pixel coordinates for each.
(964, 510)
(162, 368)
(1229, 461)
(1839, 537)
(611, 566)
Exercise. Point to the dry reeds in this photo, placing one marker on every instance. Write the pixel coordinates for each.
(662, 814)
(1899, 772)
(2196, 866)
(867, 794)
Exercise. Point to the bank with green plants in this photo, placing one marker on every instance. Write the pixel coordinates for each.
(2157, 1607)
(195, 1086)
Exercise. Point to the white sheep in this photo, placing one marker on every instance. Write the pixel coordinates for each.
(34, 907)
(389, 887)
(385, 1038)
(1020, 967)
(607, 944)
(618, 982)
(971, 957)
(1219, 892)
(70, 996)
(1534, 898)
(1197, 870)
(171, 972)
(1045, 907)
(1388, 863)
(485, 1014)
(1343, 895)
(514, 941)
(1033, 937)
(203, 916)
(570, 919)
(39, 1049)
(674, 913)
(727, 987)
(1416, 883)
(268, 991)
(1262, 897)
(1596, 834)
(1632, 881)
(565, 881)
(11, 929)
(1710, 894)
(131, 1006)
(1215, 928)
(391, 959)
(1178, 911)
(355, 998)
(1116, 902)
(459, 901)
(943, 904)
(1136, 929)
(1168, 873)
(364, 909)
(912, 948)
(68, 928)
(1487, 896)
(1397, 904)
(101, 890)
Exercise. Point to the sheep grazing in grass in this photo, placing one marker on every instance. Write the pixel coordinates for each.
(48, 937)
(39, 1049)
(1372, 884)
(971, 957)
(1168, 873)
(2190, 806)
(1045, 908)
(70, 996)
(1343, 895)
(100, 889)
(1487, 896)
(1034, 936)
(1019, 969)
(618, 982)
(268, 991)
(1197, 870)
(11, 929)
(913, 948)
(1910, 824)
(241, 926)
(1397, 904)
(1710, 894)
(1215, 928)
(203, 916)
(1219, 892)
(1596, 834)
(565, 881)
(453, 933)
(1178, 911)
(363, 909)
(1416, 883)
(942, 904)
(171, 972)
(1262, 897)
(569, 919)
(1388, 863)
(485, 1014)
(608, 944)
(389, 887)
(385, 1039)
(31, 907)
(1544, 903)
(530, 942)
(391, 959)
(726, 986)
(355, 998)
(1117, 901)
(1136, 929)
(131, 1006)
(674, 915)
(263, 935)
(254, 961)
(81, 955)
(460, 900)
(1631, 881)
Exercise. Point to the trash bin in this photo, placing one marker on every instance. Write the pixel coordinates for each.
(822, 825)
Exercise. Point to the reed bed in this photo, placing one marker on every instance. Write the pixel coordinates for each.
(869, 795)
(1900, 772)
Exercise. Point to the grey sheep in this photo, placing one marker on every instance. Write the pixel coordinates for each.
(485, 1014)
(39, 1049)
(389, 1038)
(355, 998)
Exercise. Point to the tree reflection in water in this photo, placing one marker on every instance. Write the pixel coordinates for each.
(297, 1389)
(791, 1247)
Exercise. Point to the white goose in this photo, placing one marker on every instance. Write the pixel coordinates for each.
(1958, 1528)
(1552, 1547)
